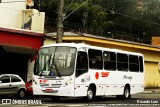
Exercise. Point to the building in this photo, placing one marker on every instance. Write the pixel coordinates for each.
(21, 36)
(151, 53)
(14, 15)
(156, 41)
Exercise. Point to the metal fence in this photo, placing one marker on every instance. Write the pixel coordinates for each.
(50, 26)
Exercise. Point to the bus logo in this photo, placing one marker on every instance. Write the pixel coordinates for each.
(105, 74)
(97, 75)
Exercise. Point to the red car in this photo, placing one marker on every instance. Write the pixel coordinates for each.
(29, 90)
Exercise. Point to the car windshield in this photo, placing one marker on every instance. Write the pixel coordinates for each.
(55, 61)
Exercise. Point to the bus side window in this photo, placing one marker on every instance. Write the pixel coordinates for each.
(95, 59)
(109, 60)
(133, 63)
(82, 63)
(122, 62)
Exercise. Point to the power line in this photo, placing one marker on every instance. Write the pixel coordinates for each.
(125, 15)
(146, 21)
(68, 7)
(75, 10)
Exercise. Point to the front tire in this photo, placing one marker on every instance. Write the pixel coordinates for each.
(90, 94)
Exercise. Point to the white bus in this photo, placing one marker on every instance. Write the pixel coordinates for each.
(81, 70)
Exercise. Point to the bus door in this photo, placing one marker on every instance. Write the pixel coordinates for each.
(82, 78)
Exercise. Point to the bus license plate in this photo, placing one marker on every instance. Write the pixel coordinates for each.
(49, 90)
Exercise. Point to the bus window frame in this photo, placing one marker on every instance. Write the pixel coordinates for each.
(110, 52)
(100, 61)
(118, 62)
(76, 70)
(133, 63)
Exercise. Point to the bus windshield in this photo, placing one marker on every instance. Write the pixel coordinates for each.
(55, 61)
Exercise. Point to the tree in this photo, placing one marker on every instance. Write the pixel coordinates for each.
(135, 17)
(90, 15)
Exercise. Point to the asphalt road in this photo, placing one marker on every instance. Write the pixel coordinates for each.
(142, 99)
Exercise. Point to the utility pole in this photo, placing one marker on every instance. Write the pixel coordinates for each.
(60, 22)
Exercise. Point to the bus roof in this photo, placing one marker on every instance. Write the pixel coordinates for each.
(80, 45)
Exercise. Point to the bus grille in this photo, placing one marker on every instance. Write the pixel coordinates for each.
(55, 91)
(51, 85)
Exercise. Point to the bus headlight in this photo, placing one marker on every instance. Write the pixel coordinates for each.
(68, 82)
(34, 82)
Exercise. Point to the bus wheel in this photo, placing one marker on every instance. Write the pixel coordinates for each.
(90, 94)
(126, 94)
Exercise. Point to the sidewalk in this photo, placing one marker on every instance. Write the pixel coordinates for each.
(154, 90)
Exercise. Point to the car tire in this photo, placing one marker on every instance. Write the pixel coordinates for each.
(21, 93)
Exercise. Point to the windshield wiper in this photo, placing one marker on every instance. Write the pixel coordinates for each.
(44, 66)
(54, 63)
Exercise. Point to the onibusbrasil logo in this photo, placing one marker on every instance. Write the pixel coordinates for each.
(15, 101)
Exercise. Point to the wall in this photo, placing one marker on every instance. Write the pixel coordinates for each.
(37, 20)
(14, 4)
(13, 13)
(20, 39)
(156, 41)
(30, 69)
(10, 11)
(48, 41)
(152, 74)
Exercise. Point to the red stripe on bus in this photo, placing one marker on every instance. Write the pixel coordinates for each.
(105, 74)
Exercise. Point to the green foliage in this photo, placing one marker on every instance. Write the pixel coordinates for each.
(47, 6)
(130, 16)
(94, 15)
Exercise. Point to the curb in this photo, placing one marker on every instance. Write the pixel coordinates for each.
(153, 91)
